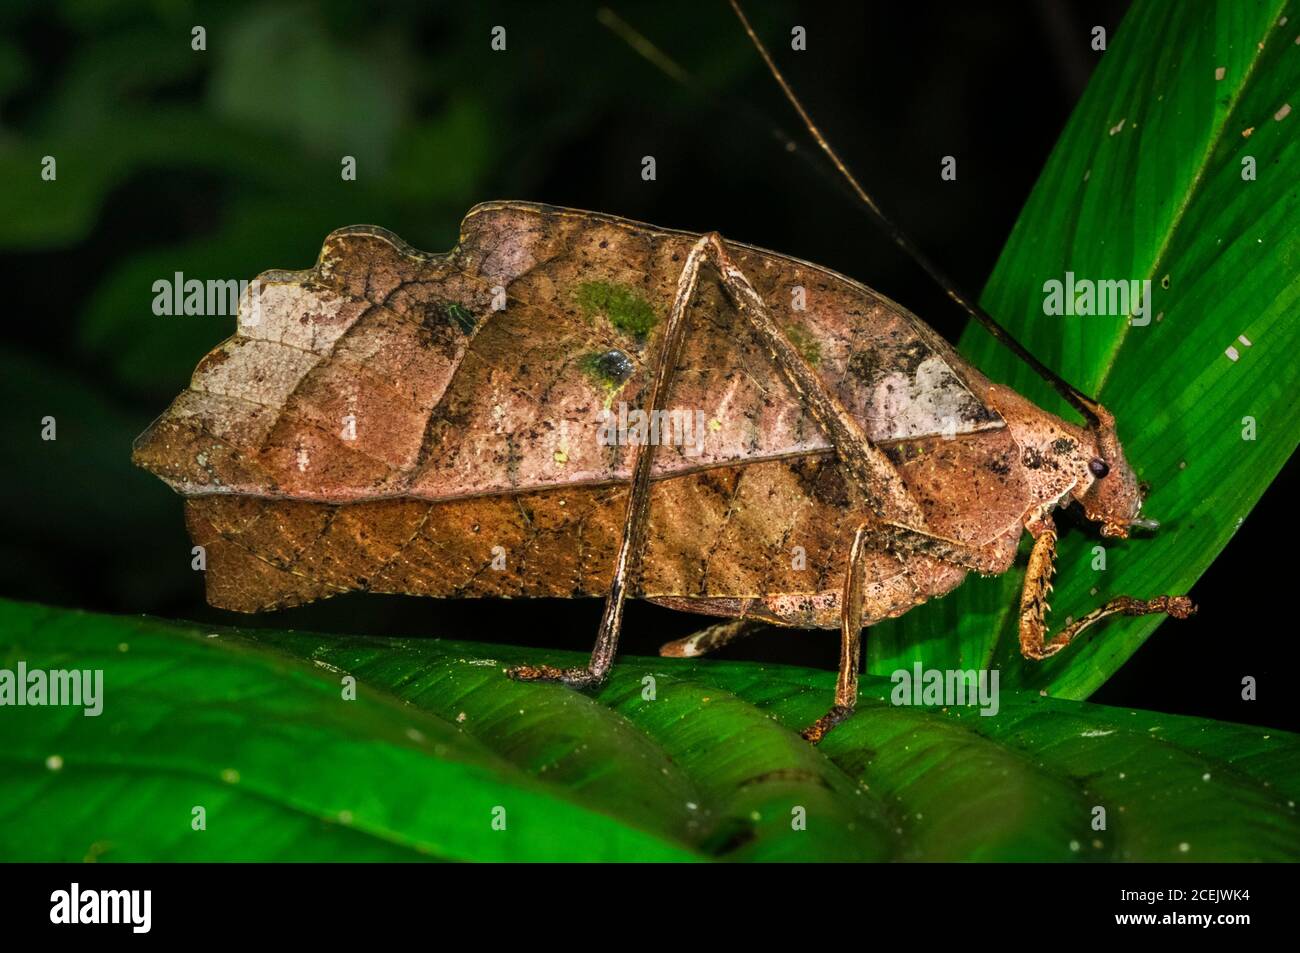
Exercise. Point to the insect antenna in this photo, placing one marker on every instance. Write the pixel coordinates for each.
(1086, 406)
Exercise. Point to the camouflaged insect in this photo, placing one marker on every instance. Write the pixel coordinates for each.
(461, 425)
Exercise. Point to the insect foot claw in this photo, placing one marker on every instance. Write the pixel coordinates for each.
(579, 678)
(818, 730)
(1179, 607)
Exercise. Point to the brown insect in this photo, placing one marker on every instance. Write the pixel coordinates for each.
(572, 404)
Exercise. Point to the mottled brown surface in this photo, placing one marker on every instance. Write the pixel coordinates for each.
(722, 534)
(475, 428)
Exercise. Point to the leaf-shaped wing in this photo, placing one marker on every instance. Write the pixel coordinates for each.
(511, 364)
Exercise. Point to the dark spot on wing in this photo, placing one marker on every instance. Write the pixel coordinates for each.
(999, 464)
(611, 368)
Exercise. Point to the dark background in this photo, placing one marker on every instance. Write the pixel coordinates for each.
(224, 163)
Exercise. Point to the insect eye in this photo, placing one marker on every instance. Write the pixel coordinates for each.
(1098, 467)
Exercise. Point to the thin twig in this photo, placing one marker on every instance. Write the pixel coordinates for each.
(643, 46)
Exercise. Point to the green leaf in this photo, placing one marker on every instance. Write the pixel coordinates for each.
(671, 760)
(1147, 183)
(282, 766)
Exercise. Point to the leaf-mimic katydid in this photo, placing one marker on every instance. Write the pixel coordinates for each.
(572, 404)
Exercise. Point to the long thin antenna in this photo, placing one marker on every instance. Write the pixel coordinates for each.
(1081, 402)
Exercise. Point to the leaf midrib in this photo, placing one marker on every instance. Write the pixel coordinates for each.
(1190, 192)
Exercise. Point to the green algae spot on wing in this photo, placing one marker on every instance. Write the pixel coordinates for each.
(621, 306)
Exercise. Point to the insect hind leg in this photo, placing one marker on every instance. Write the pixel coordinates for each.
(868, 465)
(852, 604)
(887, 495)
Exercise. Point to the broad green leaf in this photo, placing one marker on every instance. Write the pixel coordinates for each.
(671, 760)
(1149, 181)
(282, 766)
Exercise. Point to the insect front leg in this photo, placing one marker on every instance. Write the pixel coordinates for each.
(1034, 643)
(636, 520)
(851, 612)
